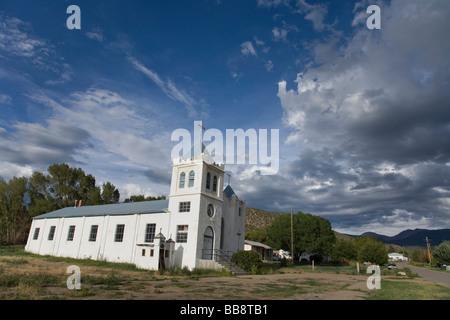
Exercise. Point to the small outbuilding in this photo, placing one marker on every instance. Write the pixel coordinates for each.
(265, 252)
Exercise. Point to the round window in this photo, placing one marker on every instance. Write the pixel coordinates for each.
(210, 210)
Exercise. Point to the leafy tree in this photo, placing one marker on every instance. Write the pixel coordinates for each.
(442, 253)
(312, 234)
(256, 235)
(344, 250)
(143, 198)
(22, 198)
(109, 193)
(14, 217)
(373, 251)
(41, 198)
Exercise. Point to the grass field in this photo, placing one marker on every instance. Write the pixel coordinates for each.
(25, 276)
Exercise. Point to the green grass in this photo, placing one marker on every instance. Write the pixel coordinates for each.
(400, 290)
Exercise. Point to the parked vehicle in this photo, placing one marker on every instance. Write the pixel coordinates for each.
(392, 266)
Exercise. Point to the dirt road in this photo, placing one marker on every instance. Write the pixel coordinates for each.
(438, 277)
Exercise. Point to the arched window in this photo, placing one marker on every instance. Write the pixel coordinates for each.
(208, 180)
(182, 179)
(214, 183)
(191, 179)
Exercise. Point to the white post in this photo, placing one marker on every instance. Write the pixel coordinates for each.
(313, 265)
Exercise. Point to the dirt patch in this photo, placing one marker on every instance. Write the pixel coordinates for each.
(40, 279)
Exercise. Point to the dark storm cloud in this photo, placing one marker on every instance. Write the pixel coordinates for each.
(160, 176)
(372, 125)
(32, 143)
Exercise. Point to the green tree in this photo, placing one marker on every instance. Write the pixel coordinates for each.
(109, 193)
(64, 187)
(14, 218)
(256, 235)
(373, 251)
(344, 250)
(41, 198)
(442, 253)
(312, 234)
(143, 198)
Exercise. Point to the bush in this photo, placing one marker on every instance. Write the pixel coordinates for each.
(442, 253)
(247, 260)
(373, 252)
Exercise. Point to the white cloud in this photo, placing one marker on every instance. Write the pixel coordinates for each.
(247, 49)
(315, 13)
(5, 99)
(279, 34)
(116, 128)
(269, 3)
(168, 88)
(95, 34)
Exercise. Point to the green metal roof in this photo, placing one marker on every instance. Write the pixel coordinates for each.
(156, 206)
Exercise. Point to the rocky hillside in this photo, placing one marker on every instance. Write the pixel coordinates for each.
(258, 219)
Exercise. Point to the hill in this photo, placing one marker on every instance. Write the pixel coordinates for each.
(258, 219)
(411, 238)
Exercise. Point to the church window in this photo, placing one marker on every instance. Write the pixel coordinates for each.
(120, 228)
(182, 179)
(150, 232)
(210, 210)
(185, 206)
(151, 252)
(71, 233)
(208, 180)
(182, 233)
(93, 233)
(36, 233)
(143, 252)
(191, 179)
(215, 184)
(51, 233)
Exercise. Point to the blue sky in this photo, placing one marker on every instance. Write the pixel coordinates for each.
(363, 115)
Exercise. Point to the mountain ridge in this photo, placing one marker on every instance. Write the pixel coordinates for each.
(411, 237)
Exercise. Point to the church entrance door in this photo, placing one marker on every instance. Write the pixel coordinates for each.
(208, 244)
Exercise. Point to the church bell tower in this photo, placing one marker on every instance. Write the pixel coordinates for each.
(195, 206)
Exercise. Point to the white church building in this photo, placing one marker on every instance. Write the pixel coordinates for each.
(199, 222)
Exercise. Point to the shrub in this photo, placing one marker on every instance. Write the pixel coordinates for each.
(247, 260)
(442, 253)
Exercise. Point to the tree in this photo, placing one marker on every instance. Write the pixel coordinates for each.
(109, 193)
(344, 250)
(14, 217)
(442, 253)
(256, 235)
(143, 198)
(22, 198)
(312, 234)
(41, 198)
(373, 251)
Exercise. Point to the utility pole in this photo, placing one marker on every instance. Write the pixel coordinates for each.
(429, 250)
(292, 236)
